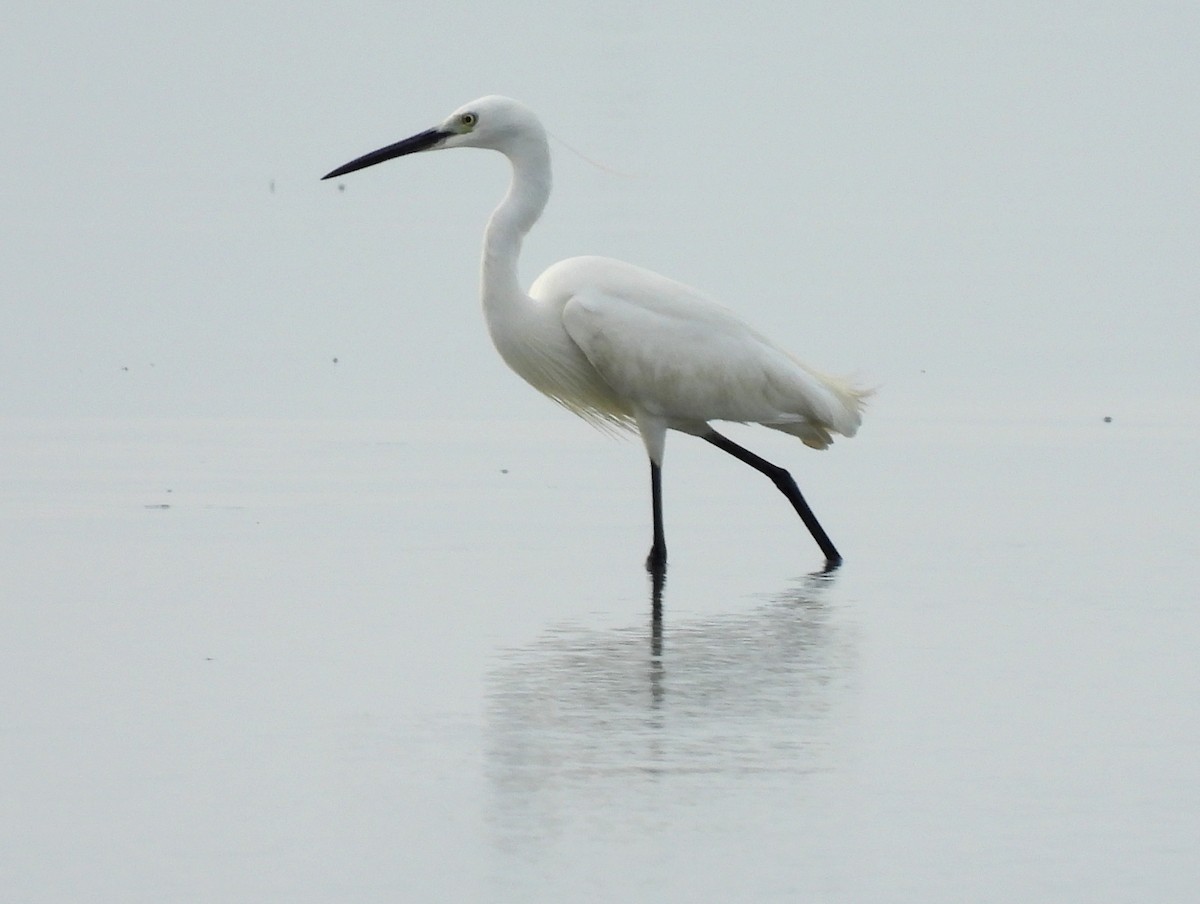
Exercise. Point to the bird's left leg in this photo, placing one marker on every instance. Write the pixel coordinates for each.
(786, 485)
(656, 562)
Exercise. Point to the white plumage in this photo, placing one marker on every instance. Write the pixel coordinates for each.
(624, 347)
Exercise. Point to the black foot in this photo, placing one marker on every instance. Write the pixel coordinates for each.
(656, 562)
(832, 565)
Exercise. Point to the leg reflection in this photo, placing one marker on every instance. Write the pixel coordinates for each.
(658, 580)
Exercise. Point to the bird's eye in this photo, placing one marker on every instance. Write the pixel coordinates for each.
(468, 120)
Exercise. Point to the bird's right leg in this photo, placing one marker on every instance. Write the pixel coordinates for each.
(786, 485)
(656, 562)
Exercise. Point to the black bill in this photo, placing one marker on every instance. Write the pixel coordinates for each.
(420, 142)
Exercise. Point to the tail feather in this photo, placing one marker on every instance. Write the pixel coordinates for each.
(842, 416)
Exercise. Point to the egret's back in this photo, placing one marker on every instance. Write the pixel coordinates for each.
(678, 356)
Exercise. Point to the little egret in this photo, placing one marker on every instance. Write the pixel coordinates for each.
(625, 348)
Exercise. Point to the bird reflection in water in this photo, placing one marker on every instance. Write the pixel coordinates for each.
(584, 718)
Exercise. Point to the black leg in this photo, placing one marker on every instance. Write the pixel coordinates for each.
(783, 480)
(656, 562)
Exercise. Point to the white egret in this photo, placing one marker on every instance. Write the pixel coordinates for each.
(623, 347)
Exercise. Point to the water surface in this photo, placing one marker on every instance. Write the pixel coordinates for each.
(303, 660)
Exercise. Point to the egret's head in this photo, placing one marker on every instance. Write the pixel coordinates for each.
(493, 122)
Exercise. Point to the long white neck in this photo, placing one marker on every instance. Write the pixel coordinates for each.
(509, 224)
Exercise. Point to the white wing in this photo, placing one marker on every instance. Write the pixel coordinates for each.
(676, 355)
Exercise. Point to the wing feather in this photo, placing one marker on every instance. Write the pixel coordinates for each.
(675, 354)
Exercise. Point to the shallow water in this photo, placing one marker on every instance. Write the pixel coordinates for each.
(374, 661)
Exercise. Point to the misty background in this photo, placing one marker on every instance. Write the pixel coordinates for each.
(996, 207)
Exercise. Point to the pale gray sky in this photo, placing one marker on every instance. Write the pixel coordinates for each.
(953, 202)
